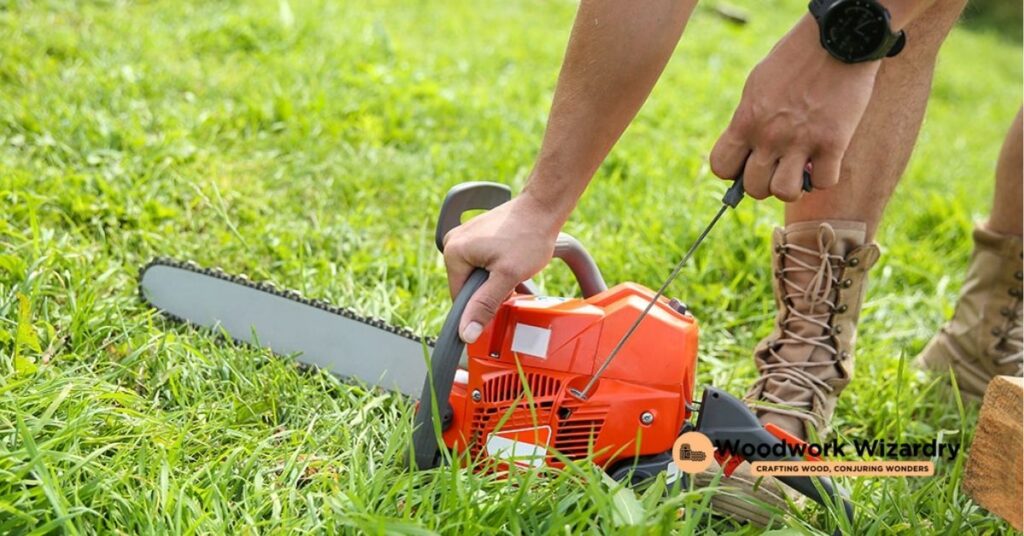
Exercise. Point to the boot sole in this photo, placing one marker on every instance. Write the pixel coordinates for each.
(937, 359)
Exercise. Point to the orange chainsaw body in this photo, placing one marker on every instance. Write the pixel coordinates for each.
(550, 345)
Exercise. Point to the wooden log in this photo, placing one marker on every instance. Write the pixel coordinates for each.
(994, 476)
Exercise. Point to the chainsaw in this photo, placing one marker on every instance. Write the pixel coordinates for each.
(607, 377)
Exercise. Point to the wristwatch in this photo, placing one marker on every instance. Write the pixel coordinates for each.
(855, 31)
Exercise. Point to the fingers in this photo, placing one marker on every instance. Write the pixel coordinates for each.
(757, 175)
(729, 154)
(825, 171)
(484, 304)
(458, 268)
(787, 181)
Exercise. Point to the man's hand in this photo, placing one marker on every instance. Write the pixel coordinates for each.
(512, 242)
(799, 106)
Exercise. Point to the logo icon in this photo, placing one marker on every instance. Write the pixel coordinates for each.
(692, 452)
(685, 453)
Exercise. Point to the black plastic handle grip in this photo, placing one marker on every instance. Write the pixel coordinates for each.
(444, 361)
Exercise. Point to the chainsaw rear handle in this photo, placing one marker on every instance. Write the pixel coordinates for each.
(488, 195)
(723, 418)
(444, 361)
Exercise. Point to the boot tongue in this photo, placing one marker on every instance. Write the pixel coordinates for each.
(810, 270)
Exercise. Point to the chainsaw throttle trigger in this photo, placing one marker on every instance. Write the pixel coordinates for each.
(444, 361)
(725, 420)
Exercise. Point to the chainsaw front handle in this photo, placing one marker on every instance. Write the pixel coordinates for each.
(444, 361)
(576, 257)
(481, 195)
(462, 198)
(724, 418)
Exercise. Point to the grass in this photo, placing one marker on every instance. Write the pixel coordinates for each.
(309, 143)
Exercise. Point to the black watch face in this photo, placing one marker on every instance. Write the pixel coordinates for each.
(855, 30)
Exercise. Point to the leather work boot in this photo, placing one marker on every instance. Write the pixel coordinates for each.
(820, 276)
(983, 339)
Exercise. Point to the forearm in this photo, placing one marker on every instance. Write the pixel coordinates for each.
(901, 12)
(615, 55)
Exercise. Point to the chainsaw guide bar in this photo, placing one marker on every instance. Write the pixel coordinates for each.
(336, 339)
(270, 288)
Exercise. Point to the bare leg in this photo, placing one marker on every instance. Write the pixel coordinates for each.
(1007, 206)
(884, 140)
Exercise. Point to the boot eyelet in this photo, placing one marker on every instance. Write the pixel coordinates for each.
(853, 262)
(847, 283)
(780, 249)
(844, 355)
(996, 332)
(842, 308)
(1005, 311)
(1015, 292)
(836, 330)
(1019, 275)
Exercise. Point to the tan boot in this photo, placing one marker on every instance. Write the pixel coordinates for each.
(983, 339)
(746, 497)
(820, 276)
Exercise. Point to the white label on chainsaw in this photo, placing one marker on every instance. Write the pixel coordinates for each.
(520, 452)
(531, 340)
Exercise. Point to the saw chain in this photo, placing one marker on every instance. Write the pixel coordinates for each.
(271, 288)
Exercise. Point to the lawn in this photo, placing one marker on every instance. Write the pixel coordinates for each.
(309, 143)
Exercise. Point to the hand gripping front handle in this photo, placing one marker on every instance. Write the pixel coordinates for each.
(479, 195)
(723, 418)
(444, 361)
(488, 195)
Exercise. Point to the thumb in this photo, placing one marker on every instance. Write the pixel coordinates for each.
(484, 304)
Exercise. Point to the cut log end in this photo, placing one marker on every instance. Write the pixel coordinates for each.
(994, 476)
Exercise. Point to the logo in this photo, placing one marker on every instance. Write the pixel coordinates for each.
(693, 452)
(686, 454)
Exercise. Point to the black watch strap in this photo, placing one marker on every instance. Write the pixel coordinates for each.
(897, 45)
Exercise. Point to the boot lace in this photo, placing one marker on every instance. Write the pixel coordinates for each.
(818, 303)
